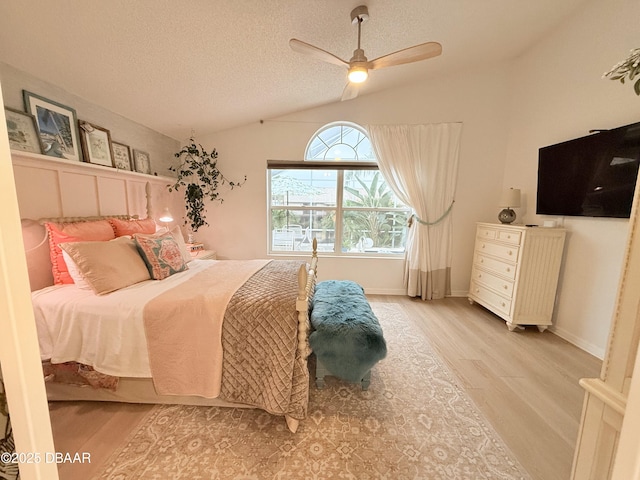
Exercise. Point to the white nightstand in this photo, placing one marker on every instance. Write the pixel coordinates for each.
(205, 255)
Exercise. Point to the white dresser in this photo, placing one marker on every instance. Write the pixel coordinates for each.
(515, 272)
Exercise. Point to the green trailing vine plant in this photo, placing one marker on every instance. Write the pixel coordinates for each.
(629, 69)
(198, 173)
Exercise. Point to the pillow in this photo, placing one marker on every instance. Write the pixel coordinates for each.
(131, 227)
(74, 272)
(161, 254)
(176, 233)
(108, 266)
(97, 230)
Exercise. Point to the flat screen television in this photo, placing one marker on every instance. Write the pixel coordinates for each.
(592, 176)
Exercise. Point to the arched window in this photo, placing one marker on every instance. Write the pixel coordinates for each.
(336, 195)
(340, 141)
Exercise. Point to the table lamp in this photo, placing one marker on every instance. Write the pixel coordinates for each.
(510, 198)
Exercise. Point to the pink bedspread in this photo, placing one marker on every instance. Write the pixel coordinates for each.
(183, 327)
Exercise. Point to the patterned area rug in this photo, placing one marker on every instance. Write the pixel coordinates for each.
(414, 422)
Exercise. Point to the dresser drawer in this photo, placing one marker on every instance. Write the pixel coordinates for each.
(498, 266)
(497, 302)
(510, 236)
(505, 287)
(488, 233)
(506, 252)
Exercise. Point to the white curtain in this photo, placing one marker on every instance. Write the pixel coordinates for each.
(420, 163)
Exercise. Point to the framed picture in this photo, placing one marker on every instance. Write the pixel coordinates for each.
(23, 131)
(57, 126)
(96, 144)
(141, 161)
(121, 156)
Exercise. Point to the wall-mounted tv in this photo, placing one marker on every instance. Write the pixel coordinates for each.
(592, 176)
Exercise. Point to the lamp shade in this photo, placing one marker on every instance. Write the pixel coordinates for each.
(166, 216)
(510, 198)
(357, 74)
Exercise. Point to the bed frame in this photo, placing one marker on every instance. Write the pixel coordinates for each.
(141, 390)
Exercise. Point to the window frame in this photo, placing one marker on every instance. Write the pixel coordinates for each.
(340, 166)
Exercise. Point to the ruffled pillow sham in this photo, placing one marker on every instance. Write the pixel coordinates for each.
(98, 230)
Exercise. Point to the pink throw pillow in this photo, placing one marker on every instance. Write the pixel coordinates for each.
(131, 227)
(98, 230)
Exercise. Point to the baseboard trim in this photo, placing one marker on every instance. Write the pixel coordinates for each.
(385, 291)
(397, 291)
(459, 293)
(578, 342)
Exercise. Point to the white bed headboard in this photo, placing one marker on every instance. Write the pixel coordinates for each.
(51, 188)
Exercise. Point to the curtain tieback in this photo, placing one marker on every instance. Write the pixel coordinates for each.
(422, 222)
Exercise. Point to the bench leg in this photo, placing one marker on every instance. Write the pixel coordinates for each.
(321, 371)
(366, 381)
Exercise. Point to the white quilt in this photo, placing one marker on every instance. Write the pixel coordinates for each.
(106, 332)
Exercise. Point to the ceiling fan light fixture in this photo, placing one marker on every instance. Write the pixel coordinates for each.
(359, 65)
(358, 74)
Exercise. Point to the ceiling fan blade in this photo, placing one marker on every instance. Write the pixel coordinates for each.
(407, 55)
(308, 49)
(350, 91)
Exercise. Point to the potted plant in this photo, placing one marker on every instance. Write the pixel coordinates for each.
(198, 173)
(627, 69)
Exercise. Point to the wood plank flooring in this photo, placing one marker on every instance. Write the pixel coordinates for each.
(524, 382)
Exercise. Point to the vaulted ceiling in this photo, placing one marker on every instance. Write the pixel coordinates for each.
(208, 65)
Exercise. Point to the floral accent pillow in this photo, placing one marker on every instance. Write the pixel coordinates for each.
(161, 254)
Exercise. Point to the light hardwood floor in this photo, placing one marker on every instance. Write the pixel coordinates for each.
(524, 382)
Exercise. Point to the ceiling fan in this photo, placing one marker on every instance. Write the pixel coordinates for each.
(359, 66)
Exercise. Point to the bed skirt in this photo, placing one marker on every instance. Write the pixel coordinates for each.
(139, 390)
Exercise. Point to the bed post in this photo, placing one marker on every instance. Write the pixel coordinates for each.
(306, 285)
(147, 192)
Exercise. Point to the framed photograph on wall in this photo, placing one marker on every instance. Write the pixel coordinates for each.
(96, 144)
(142, 161)
(121, 156)
(57, 126)
(23, 131)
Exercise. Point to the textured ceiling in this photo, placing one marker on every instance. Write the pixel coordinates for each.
(208, 65)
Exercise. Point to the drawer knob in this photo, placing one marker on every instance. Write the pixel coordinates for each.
(509, 252)
(508, 269)
(506, 287)
(508, 236)
(503, 304)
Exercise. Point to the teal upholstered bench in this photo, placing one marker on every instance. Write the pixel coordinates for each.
(346, 336)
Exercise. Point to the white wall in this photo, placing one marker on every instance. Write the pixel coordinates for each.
(239, 226)
(558, 94)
